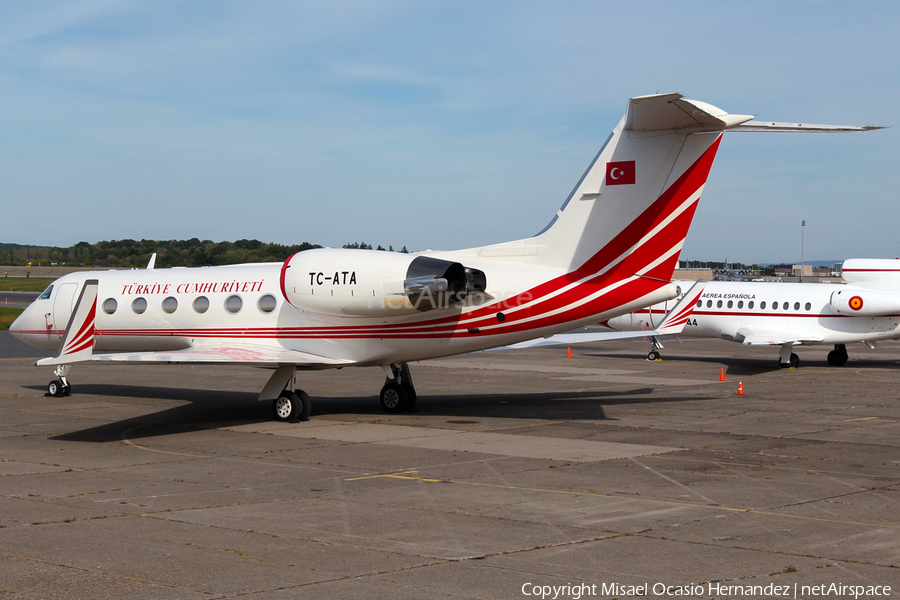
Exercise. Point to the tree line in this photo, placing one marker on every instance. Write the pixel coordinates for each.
(129, 253)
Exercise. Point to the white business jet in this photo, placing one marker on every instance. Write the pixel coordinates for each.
(609, 250)
(866, 310)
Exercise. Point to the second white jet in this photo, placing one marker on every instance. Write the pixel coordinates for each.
(866, 310)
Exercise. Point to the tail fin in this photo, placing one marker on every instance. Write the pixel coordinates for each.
(632, 208)
(78, 342)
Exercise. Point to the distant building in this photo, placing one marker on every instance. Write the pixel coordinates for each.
(801, 270)
(693, 274)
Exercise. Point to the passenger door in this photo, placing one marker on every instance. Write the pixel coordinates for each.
(63, 302)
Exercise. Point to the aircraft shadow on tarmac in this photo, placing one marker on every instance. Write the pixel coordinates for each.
(748, 366)
(208, 409)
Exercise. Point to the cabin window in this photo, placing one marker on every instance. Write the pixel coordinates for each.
(110, 305)
(699, 303)
(740, 304)
(169, 305)
(774, 306)
(785, 306)
(139, 305)
(719, 304)
(709, 304)
(730, 304)
(233, 304)
(47, 292)
(762, 305)
(796, 306)
(750, 305)
(201, 304)
(808, 306)
(267, 303)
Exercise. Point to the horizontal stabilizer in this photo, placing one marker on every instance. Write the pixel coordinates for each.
(770, 126)
(674, 111)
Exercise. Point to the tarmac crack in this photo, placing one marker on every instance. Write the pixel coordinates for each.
(106, 574)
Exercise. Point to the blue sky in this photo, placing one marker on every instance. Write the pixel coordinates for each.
(433, 124)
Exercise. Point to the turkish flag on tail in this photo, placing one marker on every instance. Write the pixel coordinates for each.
(620, 173)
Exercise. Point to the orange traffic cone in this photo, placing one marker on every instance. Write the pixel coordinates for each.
(740, 391)
(722, 374)
(569, 353)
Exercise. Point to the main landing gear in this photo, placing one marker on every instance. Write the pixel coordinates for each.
(787, 359)
(398, 393)
(838, 356)
(292, 406)
(655, 347)
(60, 386)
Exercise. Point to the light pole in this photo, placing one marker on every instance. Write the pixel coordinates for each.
(802, 263)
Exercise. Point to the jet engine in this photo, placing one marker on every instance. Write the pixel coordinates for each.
(865, 303)
(367, 283)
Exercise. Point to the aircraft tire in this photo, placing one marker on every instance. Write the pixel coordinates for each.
(410, 397)
(394, 398)
(654, 355)
(795, 361)
(836, 359)
(305, 406)
(286, 407)
(55, 388)
(67, 390)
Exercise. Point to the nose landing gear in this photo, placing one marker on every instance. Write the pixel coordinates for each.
(60, 386)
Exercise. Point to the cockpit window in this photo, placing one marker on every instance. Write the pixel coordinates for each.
(47, 292)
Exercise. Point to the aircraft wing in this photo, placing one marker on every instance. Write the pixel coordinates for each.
(772, 338)
(241, 353)
(569, 339)
(672, 324)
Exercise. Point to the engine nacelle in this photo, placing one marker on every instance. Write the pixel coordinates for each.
(371, 283)
(865, 303)
(880, 273)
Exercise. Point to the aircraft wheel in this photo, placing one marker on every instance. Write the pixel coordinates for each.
(836, 359)
(394, 398)
(305, 405)
(55, 388)
(410, 397)
(67, 390)
(795, 361)
(654, 355)
(287, 406)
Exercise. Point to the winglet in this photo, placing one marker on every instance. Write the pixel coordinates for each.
(674, 322)
(78, 342)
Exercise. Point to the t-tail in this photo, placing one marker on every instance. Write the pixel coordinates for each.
(619, 234)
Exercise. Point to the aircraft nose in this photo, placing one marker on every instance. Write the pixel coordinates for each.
(20, 325)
